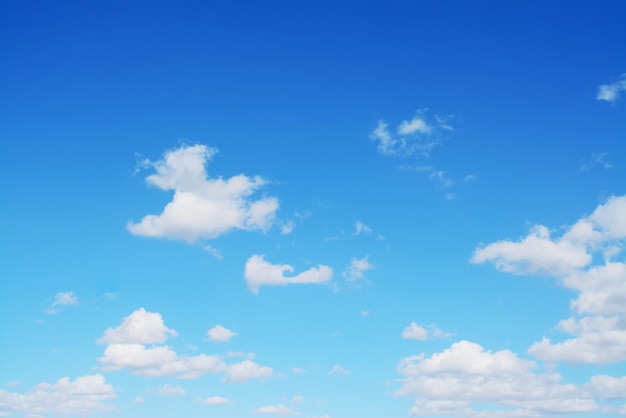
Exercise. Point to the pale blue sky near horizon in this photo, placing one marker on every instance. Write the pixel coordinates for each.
(444, 179)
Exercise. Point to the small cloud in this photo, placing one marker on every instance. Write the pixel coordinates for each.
(62, 299)
(360, 227)
(297, 399)
(220, 334)
(468, 178)
(246, 370)
(216, 400)
(337, 369)
(355, 271)
(214, 252)
(380, 237)
(417, 124)
(419, 332)
(249, 356)
(13, 384)
(365, 313)
(448, 196)
(279, 410)
(287, 228)
(259, 272)
(611, 92)
(298, 370)
(139, 399)
(595, 160)
(170, 390)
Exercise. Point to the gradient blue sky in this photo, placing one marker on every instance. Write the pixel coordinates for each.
(324, 209)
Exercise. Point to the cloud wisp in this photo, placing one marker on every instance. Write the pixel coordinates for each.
(259, 272)
(611, 92)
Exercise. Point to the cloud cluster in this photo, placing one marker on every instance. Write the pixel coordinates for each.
(259, 272)
(599, 335)
(418, 135)
(355, 272)
(449, 382)
(132, 346)
(83, 396)
(203, 207)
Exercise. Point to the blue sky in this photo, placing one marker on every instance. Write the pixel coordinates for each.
(322, 209)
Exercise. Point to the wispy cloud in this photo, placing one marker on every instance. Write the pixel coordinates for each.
(611, 92)
(420, 332)
(596, 160)
(62, 299)
(355, 272)
(338, 369)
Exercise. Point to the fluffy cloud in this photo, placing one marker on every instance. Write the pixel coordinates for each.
(417, 135)
(83, 396)
(259, 272)
(449, 382)
(62, 299)
(598, 340)
(419, 332)
(356, 270)
(140, 327)
(128, 349)
(611, 92)
(337, 369)
(220, 334)
(216, 400)
(600, 334)
(246, 370)
(279, 410)
(202, 207)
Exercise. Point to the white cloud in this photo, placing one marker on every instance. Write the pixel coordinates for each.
(170, 390)
(297, 399)
(13, 384)
(598, 340)
(214, 252)
(600, 335)
(246, 370)
(447, 383)
(83, 396)
(419, 332)
(356, 270)
(139, 399)
(417, 135)
(361, 228)
(62, 299)
(611, 92)
(298, 370)
(220, 334)
(536, 253)
(259, 272)
(202, 207)
(279, 410)
(337, 369)
(216, 400)
(287, 228)
(159, 361)
(140, 327)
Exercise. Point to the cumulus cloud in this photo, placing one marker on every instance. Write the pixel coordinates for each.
(259, 272)
(279, 410)
(598, 340)
(356, 270)
(220, 334)
(419, 332)
(450, 382)
(62, 299)
(140, 327)
(417, 135)
(127, 348)
(611, 92)
(337, 369)
(246, 370)
(203, 207)
(83, 396)
(216, 400)
(600, 333)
